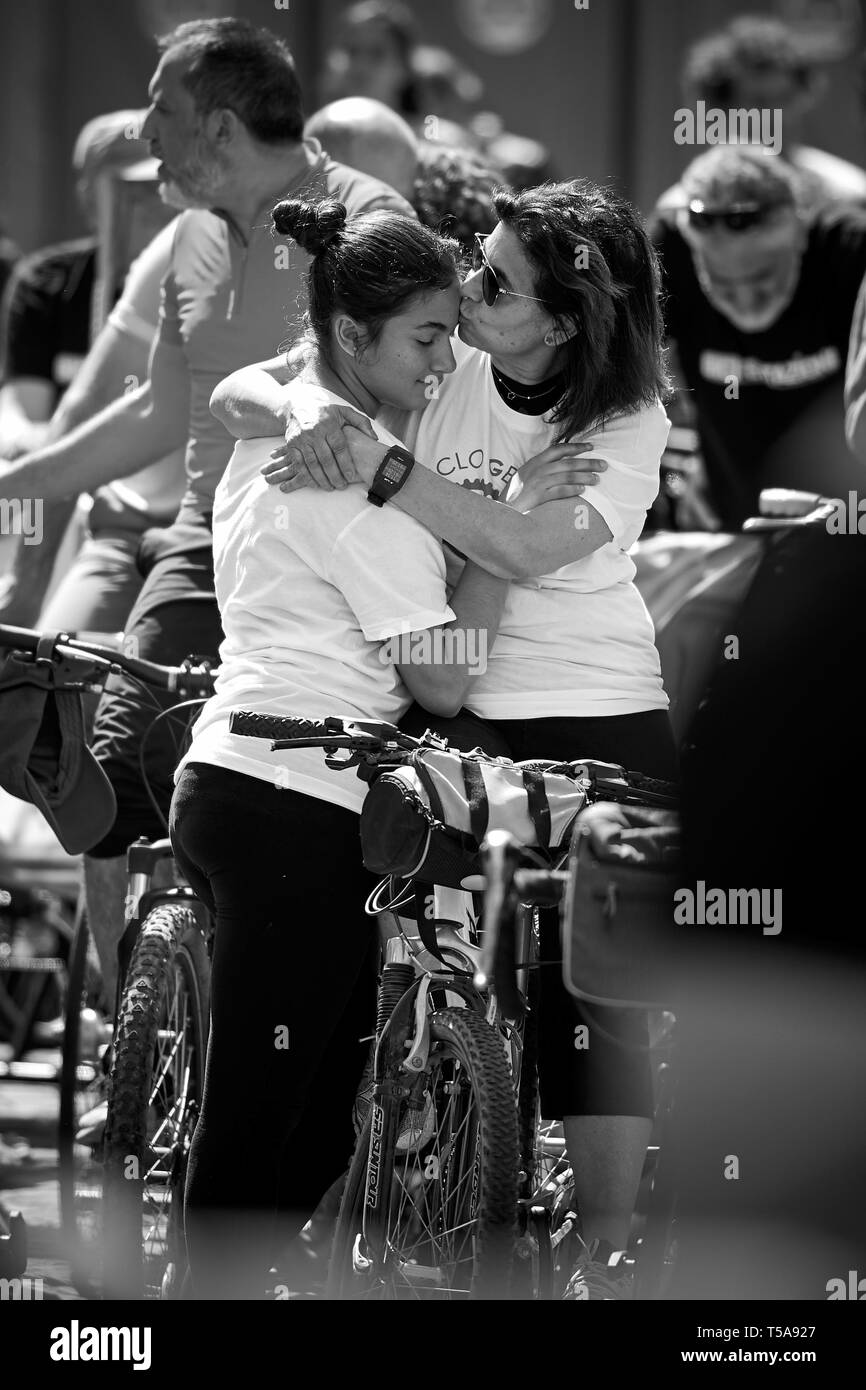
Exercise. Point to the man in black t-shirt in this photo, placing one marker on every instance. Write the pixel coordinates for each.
(759, 305)
(47, 313)
(44, 335)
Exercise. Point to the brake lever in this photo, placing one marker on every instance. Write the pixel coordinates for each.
(342, 758)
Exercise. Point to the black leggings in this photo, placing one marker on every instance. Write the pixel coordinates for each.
(612, 1075)
(293, 963)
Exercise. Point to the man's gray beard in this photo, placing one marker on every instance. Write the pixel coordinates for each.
(174, 197)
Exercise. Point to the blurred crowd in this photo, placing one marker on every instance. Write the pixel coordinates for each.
(751, 243)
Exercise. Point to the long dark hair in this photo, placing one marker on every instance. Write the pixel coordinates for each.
(368, 266)
(595, 268)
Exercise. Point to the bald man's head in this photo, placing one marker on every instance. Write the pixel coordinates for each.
(368, 136)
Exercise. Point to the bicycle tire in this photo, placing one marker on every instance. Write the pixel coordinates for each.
(428, 1185)
(81, 1087)
(142, 1233)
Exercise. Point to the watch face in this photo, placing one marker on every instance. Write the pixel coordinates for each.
(393, 470)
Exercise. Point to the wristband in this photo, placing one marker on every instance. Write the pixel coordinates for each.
(390, 475)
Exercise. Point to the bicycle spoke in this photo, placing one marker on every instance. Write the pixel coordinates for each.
(429, 1210)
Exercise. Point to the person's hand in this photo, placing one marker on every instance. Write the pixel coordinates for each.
(557, 472)
(317, 449)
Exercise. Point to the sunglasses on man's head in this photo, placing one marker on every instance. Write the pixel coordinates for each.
(490, 286)
(738, 217)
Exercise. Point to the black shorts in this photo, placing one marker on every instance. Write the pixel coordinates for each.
(174, 616)
(612, 1074)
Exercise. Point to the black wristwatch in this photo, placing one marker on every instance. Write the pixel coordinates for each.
(390, 475)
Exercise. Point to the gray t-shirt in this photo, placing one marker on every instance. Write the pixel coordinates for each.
(227, 303)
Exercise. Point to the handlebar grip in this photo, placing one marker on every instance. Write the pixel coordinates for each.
(278, 726)
(22, 639)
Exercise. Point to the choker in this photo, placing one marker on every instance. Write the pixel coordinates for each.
(542, 395)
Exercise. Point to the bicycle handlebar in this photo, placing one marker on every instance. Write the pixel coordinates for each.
(369, 738)
(77, 661)
(296, 731)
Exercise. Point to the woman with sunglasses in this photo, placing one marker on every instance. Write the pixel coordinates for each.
(560, 340)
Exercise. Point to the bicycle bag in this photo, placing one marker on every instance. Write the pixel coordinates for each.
(427, 818)
(44, 757)
(618, 931)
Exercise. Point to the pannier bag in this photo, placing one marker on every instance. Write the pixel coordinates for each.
(427, 818)
(618, 931)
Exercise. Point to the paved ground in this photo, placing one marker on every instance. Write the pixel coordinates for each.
(28, 1173)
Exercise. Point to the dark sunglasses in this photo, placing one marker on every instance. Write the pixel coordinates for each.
(739, 217)
(490, 286)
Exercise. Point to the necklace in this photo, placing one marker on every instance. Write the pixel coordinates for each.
(551, 387)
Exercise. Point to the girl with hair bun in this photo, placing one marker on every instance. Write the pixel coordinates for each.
(311, 591)
(560, 355)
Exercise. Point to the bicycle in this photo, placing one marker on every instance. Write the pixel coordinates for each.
(437, 1192)
(124, 1186)
(517, 884)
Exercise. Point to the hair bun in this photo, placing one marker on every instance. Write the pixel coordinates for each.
(313, 225)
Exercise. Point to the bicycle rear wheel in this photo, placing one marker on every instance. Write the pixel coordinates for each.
(155, 1091)
(430, 1205)
(82, 1088)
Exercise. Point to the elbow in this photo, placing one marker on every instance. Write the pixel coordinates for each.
(220, 403)
(446, 707)
(439, 690)
(444, 700)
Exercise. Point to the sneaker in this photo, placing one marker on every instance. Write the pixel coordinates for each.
(91, 1126)
(601, 1275)
(417, 1129)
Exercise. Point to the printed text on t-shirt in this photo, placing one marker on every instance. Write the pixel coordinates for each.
(456, 464)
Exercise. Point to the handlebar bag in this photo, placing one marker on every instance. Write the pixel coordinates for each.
(618, 910)
(427, 818)
(44, 758)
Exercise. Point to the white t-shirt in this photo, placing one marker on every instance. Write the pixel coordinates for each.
(578, 642)
(310, 585)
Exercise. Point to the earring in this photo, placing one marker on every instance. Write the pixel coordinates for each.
(550, 339)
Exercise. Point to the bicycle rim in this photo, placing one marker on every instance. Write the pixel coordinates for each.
(443, 1172)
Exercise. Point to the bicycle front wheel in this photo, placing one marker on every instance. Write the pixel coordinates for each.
(430, 1204)
(154, 1096)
